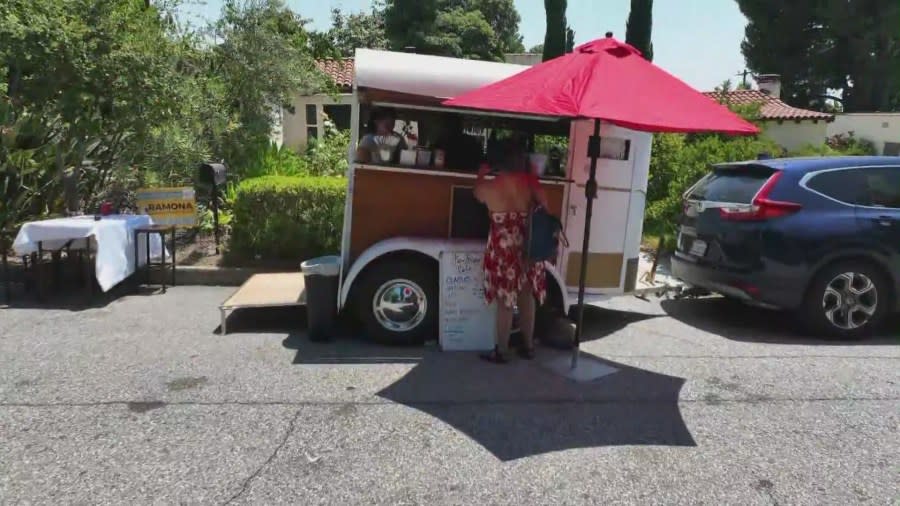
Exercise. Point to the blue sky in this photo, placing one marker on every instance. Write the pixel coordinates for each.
(697, 40)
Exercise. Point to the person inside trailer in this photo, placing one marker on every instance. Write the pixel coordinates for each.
(383, 144)
(509, 279)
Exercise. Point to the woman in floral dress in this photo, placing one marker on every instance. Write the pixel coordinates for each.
(509, 278)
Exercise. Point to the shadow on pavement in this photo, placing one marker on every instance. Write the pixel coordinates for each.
(72, 297)
(600, 322)
(265, 320)
(520, 409)
(740, 322)
(513, 410)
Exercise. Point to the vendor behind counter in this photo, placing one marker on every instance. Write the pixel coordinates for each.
(383, 144)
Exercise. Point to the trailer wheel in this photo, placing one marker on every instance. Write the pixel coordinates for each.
(397, 301)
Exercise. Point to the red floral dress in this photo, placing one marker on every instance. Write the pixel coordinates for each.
(506, 272)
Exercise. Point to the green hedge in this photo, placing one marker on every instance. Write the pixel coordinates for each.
(287, 218)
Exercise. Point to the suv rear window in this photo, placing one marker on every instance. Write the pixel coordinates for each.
(736, 185)
(844, 185)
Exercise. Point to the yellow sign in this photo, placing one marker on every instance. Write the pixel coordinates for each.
(169, 206)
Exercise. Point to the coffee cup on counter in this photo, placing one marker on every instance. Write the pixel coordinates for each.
(408, 157)
(423, 158)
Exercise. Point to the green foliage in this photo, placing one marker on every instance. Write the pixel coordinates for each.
(264, 59)
(323, 157)
(287, 218)
(822, 45)
(273, 160)
(640, 26)
(478, 29)
(27, 166)
(849, 144)
(328, 156)
(360, 30)
(555, 36)
(839, 145)
(678, 162)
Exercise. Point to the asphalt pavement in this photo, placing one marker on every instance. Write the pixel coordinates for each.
(137, 400)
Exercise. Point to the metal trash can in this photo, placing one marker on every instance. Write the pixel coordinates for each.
(321, 278)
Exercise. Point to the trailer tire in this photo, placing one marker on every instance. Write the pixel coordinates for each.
(397, 301)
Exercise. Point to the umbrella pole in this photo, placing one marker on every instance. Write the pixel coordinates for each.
(590, 191)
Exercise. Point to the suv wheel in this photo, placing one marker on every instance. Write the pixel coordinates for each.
(847, 300)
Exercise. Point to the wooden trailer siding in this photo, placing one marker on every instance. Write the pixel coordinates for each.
(413, 203)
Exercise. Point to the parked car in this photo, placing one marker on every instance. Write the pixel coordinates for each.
(818, 236)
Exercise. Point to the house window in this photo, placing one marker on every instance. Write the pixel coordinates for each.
(312, 122)
(339, 114)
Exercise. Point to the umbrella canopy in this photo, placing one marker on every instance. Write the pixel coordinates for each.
(608, 80)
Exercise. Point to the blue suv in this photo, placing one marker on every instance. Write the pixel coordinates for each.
(818, 236)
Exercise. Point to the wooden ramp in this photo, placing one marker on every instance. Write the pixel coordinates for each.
(280, 289)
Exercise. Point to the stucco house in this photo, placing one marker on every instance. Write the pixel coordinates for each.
(790, 127)
(881, 128)
(307, 119)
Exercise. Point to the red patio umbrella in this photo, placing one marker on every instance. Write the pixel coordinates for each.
(606, 80)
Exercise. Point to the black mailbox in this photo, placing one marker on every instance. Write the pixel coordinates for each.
(213, 173)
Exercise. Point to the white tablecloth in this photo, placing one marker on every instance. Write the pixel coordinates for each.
(113, 239)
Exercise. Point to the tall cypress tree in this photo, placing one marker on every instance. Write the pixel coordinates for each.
(640, 26)
(555, 36)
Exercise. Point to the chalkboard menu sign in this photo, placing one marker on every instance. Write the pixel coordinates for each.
(466, 322)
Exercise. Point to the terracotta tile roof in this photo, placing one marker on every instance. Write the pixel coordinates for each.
(772, 108)
(340, 71)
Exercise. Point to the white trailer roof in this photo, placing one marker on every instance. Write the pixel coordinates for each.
(430, 76)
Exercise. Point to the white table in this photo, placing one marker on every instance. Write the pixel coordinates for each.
(113, 240)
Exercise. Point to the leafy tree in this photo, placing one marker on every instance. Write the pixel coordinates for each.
(639, 27)
(464, 34)
(482, 29)
(98, 73)
(817, 45)
(503, 18)
(555, 36)
(570, 39)
(409, 23)
(264, 59)
(537, 49)
(351, 31)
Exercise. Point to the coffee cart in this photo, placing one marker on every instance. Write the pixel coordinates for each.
(413, 233)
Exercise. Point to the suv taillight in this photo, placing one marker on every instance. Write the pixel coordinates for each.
(762, 207)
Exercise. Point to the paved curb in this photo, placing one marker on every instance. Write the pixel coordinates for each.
(214, 276)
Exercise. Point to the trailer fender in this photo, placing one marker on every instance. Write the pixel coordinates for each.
(428, 247)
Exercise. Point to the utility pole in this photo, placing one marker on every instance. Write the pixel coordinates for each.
(743, 75)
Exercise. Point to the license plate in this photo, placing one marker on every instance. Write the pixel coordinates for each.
(698, 248)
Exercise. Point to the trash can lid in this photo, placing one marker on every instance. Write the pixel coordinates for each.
(322, 266)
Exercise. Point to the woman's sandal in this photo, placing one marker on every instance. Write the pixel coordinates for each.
(494, 356)
(527, 352)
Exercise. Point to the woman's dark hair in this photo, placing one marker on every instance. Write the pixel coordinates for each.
(511, 157)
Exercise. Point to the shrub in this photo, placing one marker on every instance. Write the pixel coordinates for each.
(272, 160)
(679, 161)
(328, 156)
(287, 218)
